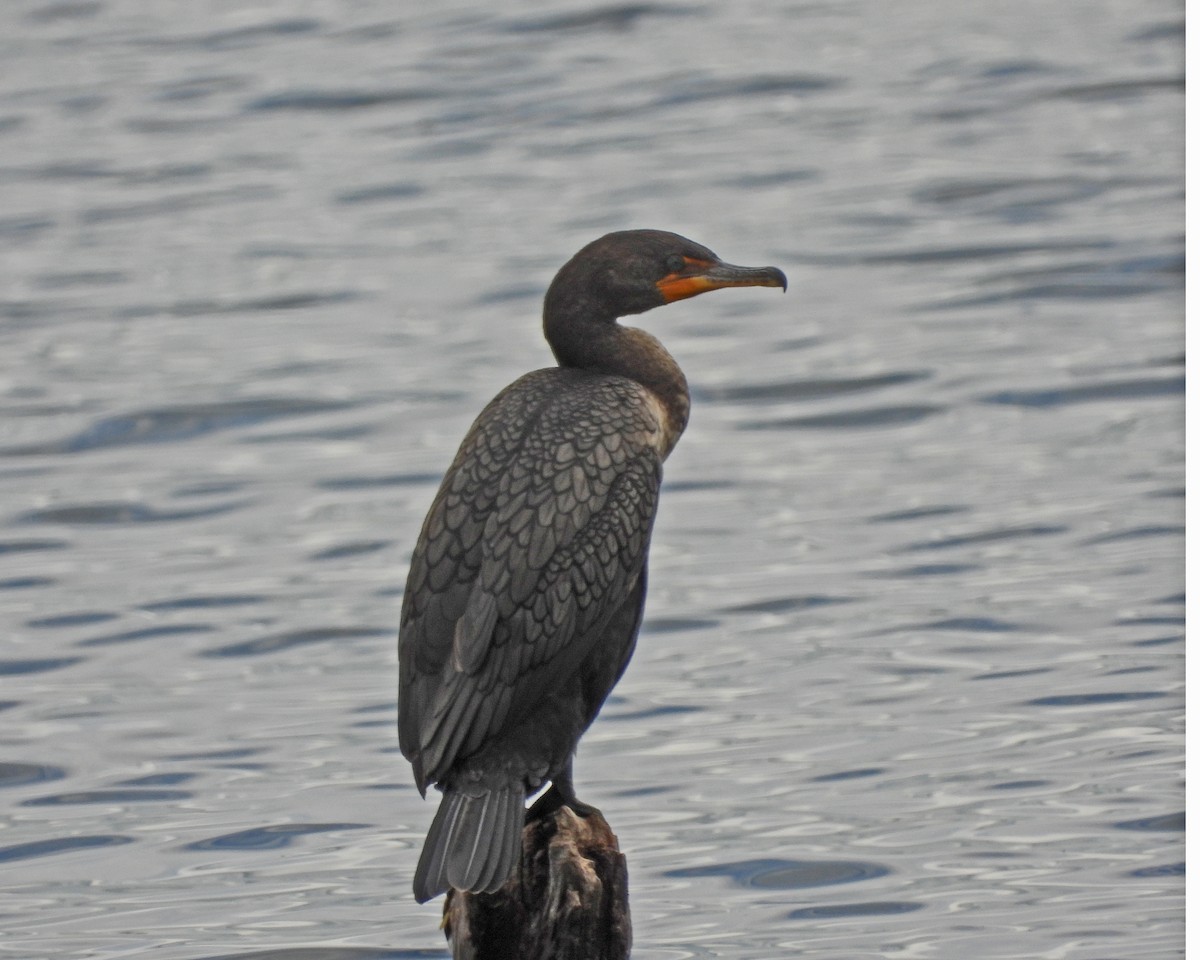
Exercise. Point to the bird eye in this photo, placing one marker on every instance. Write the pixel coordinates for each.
(675, 263)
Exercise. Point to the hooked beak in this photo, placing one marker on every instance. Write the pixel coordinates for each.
(700, 276)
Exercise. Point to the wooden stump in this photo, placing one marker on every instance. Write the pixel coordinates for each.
(569, 900)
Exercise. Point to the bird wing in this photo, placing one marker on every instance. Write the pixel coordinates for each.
(538, 534)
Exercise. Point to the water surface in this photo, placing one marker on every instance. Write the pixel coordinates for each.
(911, 677)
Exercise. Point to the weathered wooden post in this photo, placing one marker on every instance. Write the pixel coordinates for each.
(568, 901)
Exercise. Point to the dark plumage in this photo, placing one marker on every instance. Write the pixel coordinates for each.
(527, 583)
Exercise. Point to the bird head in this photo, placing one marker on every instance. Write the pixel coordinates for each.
(632, 271)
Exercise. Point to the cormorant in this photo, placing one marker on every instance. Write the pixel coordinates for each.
(527, 583)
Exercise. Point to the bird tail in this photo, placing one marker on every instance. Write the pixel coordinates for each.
(474, 843)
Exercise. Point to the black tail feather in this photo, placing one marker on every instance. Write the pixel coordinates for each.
(474, 842)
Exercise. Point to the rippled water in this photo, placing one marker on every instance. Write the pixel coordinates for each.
(911, 678)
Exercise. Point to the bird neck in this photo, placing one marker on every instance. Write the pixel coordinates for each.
(604, 346)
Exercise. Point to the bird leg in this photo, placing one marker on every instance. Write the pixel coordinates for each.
(560, 794)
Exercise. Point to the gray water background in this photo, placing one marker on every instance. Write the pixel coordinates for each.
(911, 678)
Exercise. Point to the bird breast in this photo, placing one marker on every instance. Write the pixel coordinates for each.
(667, 426)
